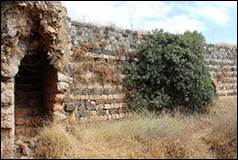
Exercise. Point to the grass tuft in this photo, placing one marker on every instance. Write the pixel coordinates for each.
(210, 135)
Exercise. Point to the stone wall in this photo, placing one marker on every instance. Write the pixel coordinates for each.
(97, 90)
(31, 28)
(83, 77)
(98, 55)
(222, 63)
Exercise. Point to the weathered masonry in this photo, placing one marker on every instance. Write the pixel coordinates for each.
(222, 63)
(34, 44)
(52, 68)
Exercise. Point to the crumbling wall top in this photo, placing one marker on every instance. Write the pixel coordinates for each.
(20, 20)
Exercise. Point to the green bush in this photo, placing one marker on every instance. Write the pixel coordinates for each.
(170, 73)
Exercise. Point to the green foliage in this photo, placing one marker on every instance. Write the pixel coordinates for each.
(171, 72)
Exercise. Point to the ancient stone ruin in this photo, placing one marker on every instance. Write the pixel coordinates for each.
(55, 69)
(34, 44)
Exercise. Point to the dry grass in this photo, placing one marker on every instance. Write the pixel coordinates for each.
(211, 135)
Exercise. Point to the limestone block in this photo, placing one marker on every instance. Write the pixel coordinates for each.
(7, 143)
(9, 70)
(113, 116)
(3, 87)
(7, 97)
(62, 87)
(7, 110)
(107, 106)
(88, 113)
(62, 77)
(70, 107)
(99, 118)
(89, 105)
(7, 120)
(104, 96)
(57, 98)
(57, 107)
(99, 106)
(93, 102)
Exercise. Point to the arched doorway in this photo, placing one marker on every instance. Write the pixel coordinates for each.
(35, 84)
(35, 45)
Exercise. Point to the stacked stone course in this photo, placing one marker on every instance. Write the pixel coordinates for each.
(222, 64)
(221, 61)
(84, 80)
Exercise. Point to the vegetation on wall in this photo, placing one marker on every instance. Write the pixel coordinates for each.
(168, 72)
(100, 69)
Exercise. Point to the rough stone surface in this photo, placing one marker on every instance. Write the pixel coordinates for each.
(88, 60)
(7, 120)
(115, 45)
(7, 97)
(22, 21)
(62, 87)
(8, 70)
(70, 107)
(222, 64)
(62, 77)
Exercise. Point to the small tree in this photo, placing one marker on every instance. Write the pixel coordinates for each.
(171, 72)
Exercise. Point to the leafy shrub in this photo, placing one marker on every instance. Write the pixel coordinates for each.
(170, 72)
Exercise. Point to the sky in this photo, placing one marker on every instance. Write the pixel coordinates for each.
(216, 20)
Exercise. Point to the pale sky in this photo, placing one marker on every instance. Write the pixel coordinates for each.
(217, 21)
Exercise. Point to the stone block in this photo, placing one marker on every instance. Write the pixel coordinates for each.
(99, 118)
(90, 104)
(99, 106)
(113, 111)
(87, 113)
(69, 107)
(56, 98)
(117, 116)
(81, 107)
(3, 86)
(7, 120)
(7, 134)
(62, 87)
(9, 70)
(57, 107)
(107, 106)
(7, 143)
(7, 110)
(93, 102)
(102, 112)
(7, 97)
(104, 96)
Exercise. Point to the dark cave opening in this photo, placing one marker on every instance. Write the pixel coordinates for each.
(35, 84)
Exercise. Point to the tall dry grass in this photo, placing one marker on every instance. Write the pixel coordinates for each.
(211, 135)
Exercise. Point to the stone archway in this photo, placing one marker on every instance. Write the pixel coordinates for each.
(35, 85)
(34, 48)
